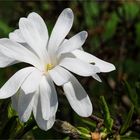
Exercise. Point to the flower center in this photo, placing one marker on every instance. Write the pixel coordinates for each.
(49, 67)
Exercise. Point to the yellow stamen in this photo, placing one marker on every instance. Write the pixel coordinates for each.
(49, 67)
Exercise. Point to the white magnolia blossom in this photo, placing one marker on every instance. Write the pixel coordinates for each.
(51, 58)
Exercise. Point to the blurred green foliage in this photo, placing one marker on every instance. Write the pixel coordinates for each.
(108, 121)
(114, 36)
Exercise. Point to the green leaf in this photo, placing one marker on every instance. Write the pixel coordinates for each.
(131, 10)
(127, 120)
(91, 10)
(83, 130)
(128, 138)
(132, 94)
(11, 112)
(89, 123)
(108, 121)
(110, 26)
(84, 133)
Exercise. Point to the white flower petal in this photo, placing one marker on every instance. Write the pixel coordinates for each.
(59, 75)
(14, 83)
(17, 36)
(60, 30)
(25, 105)
(32, 82)
(45, 93)
(45, 124)
(36, 103)
(6, 61)
(73, 43)
(103, 66)
(53, 99)
(37, 111)
(48, 98)
(79, 67)
(40, 26)
(31, 31)
(96, 77)
(18, 52)
(14, 99)
(78, 97)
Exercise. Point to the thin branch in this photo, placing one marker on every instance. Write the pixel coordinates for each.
(99, 120)
(60, 126)
(66, 128)
(96, 119)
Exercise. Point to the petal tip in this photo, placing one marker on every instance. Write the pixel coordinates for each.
(112, 67)
(33, 14)
(10, 35)
(21, 21)
(83, 35)
(68, 12)
(88, 113)
(98, 79)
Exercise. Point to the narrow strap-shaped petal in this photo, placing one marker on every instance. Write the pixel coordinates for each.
(6, 61)
(45, 93)
(79, 67)
(40, 26)
(37, 111)
(14, 83)
(59, 75)
(96, 77)
(25, 105)
(73, 43)
(53, 99)
(103, 66)
(17, 36)
(78, 97)
(35, 34)
(60, 30)
(18, 52)
(32, 82)
(45, 124)
(48, 98)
